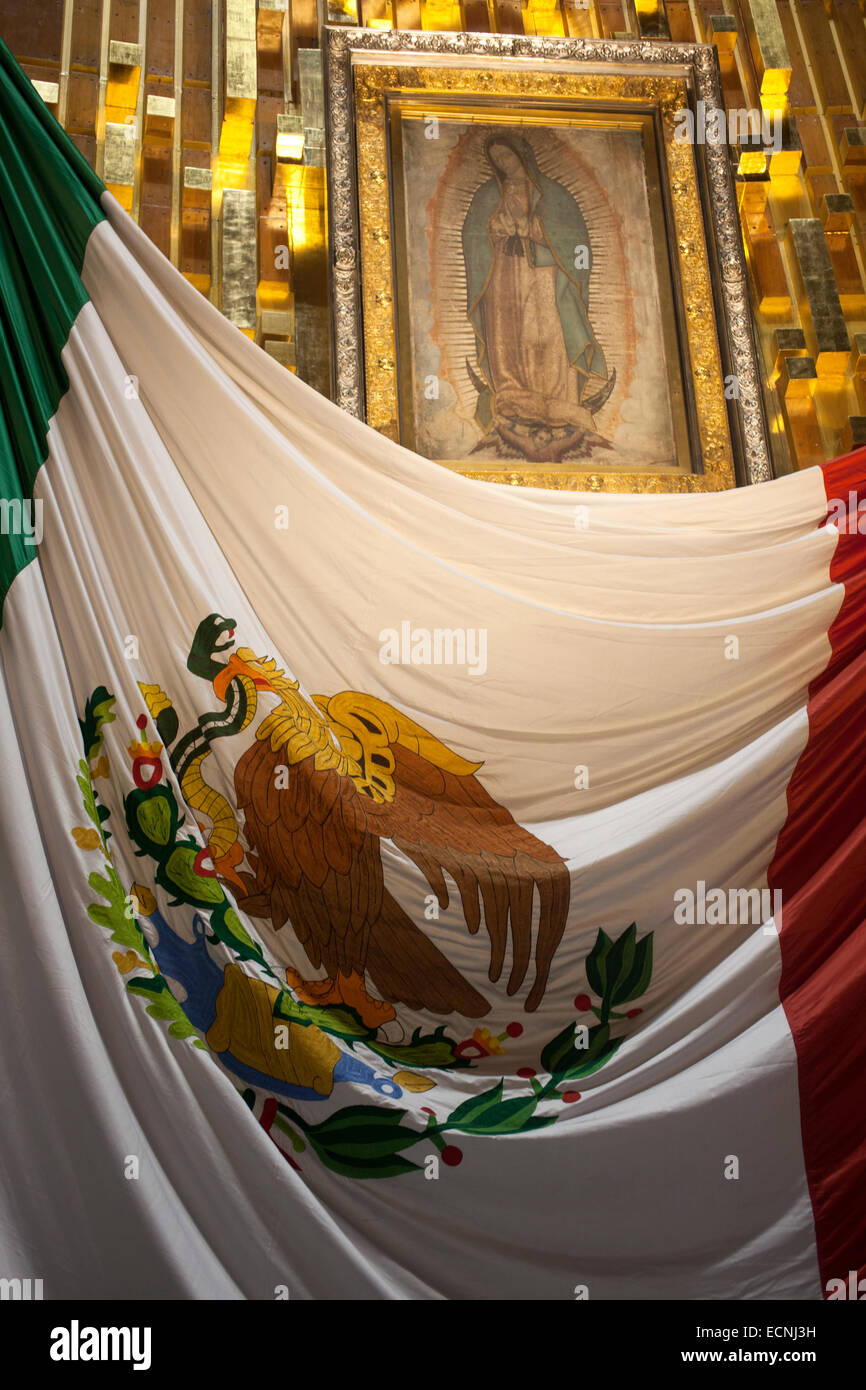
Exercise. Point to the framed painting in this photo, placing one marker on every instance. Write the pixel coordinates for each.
(536, 280)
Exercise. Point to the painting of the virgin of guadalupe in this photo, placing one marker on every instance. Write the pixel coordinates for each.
(531, 304)
(539, 371)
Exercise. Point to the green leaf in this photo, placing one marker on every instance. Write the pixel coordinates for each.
(361, 1141)
(393, 1167)
(508, 1117)
(362, 1145)
(167, 725)
(374, 1120)
(591, 1064)
(155, 819)
(596, 963)
(558, 1054)
(619, 970)
(163, 1005)
(566, 1062)
(236, 928)
(472, 1110)
(619, 961)
(539, 1122)
(633, 982)
(124, 930)
(88, 799)
(97, 712)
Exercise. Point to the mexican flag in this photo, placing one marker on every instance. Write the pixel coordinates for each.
(412, 887)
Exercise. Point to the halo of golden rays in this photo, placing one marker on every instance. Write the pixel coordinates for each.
(611, 308)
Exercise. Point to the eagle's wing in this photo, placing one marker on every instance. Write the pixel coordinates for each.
(318, 865)
(437, 812)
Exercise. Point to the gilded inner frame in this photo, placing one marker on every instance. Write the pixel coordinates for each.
(662, 412)
(719, 440)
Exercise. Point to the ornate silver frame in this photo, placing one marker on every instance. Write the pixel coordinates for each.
(698, 63)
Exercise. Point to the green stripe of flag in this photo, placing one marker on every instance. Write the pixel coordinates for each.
(49, 205)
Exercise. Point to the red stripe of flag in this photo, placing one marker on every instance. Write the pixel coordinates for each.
(820, 867)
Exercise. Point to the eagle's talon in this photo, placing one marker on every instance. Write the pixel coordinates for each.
(313, 991)
(373, 1012)
(345, 989)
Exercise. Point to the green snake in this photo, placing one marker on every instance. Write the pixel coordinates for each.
(188, 753)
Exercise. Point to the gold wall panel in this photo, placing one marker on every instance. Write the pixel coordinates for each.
(110, 71)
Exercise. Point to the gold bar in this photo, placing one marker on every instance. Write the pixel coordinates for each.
(283, 352)
(310, 82)
(276, 330)
(785, 162)
(124, 77)
(797, 378)
(289, 140)
(769, 50)
(241, 86)
(788, 342)
(239, 257)
(811, 262)
(837, 216)
(854, 434)
(159, 117)
(197, 183)
(794, 387)
(276, 323)
(119, 167)
(722, 31)
(652, 19)
(852, 148)
(124, 55)
(837, 212)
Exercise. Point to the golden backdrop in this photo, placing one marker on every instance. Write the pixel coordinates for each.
(206, 120)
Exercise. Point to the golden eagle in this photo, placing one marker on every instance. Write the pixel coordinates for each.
(320, 787)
